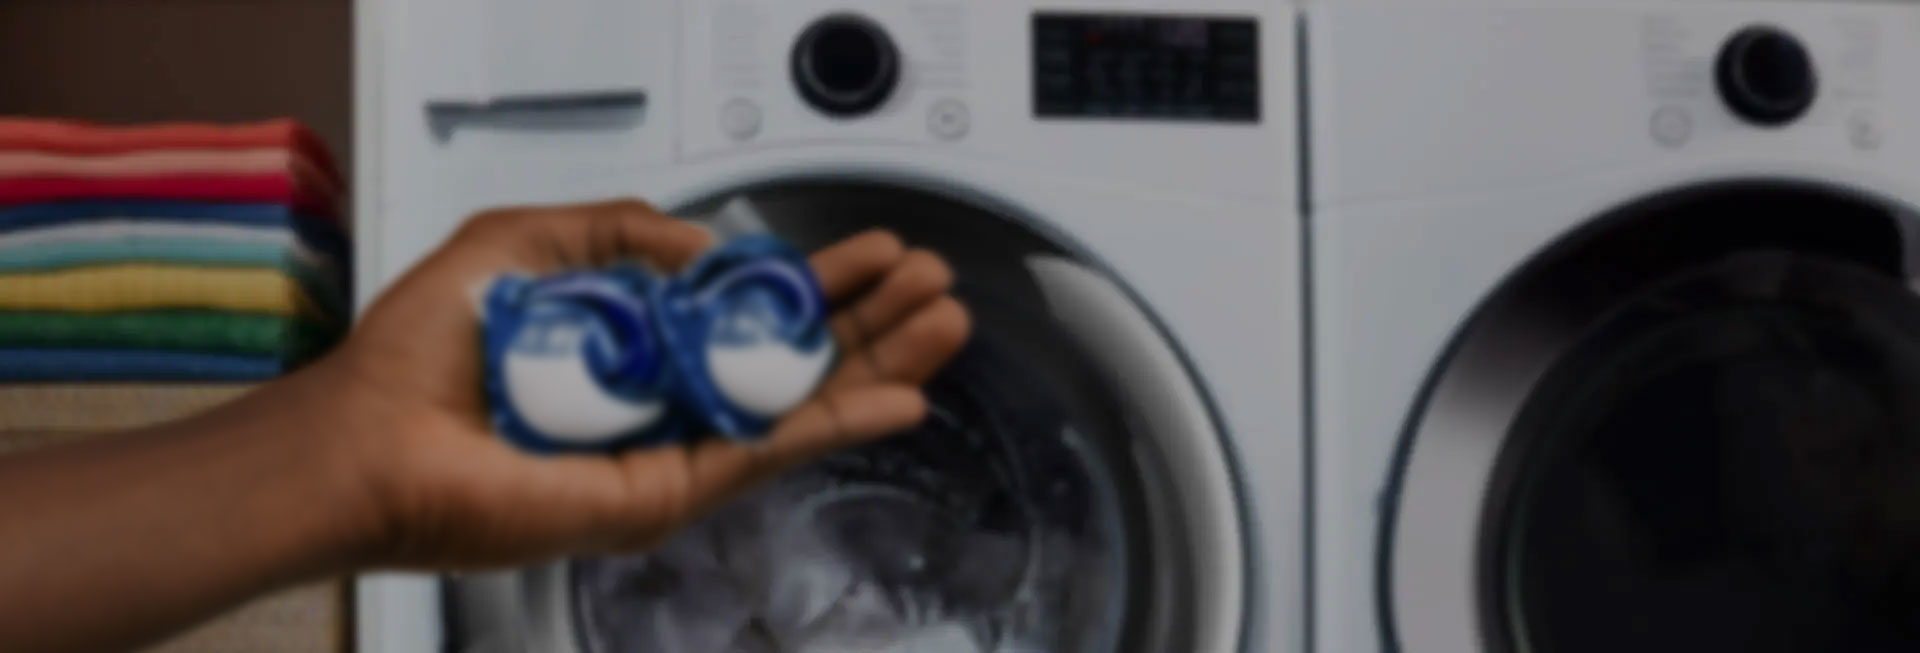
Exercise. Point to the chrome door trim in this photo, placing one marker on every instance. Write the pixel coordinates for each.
(1097, 308)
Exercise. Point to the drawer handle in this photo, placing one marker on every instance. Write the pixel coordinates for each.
(583, 111)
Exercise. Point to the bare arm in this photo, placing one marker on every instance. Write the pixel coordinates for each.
(112, 542)
(380, 454)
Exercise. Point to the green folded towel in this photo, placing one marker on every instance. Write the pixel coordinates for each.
(204, 331)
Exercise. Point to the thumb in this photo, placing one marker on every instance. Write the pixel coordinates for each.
(545, 239)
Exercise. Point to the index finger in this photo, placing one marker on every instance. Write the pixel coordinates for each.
(546, 238)
(851, 265)
(538, 240)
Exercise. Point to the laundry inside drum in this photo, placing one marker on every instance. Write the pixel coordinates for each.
(993, 526)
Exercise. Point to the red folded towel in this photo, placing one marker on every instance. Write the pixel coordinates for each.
(151, 163)
(76, 137)
(245, 189)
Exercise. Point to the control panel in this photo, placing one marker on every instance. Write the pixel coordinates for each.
(1146, 66)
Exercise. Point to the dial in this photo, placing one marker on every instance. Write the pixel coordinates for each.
(1766, 76)
(845, 65)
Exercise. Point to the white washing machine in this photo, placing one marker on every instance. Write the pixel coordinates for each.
(1613, 335)
(1113, 464)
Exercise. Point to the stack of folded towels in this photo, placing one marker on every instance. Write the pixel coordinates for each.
(171, 252)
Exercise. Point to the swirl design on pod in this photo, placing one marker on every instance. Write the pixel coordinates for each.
(751, 334)
(575, 363)
(603, 359)
(629, 351)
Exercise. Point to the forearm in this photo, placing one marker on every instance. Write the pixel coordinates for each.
(115, 541)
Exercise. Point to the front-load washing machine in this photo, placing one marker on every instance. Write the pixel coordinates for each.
(1614, 342)
(1112, 464)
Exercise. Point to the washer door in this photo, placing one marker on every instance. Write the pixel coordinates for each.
(1069, 491)
(1694, 426)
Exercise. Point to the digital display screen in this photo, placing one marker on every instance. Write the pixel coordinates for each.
(1146, 66)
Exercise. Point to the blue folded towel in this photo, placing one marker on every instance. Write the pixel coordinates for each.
(133, 365)
(261, 215)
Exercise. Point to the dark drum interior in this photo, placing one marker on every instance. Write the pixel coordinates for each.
(1727, 457)
(1016, 518)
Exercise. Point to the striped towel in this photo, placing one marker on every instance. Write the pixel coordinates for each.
(108, 242)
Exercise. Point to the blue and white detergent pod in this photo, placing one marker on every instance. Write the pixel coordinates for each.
(596, 360)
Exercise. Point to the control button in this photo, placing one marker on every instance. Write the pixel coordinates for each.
(1235, 64)
(1242, 111)
(1235, 90)
(740, 119)
(1235, 35)
(948, 119)
(1671, 126)
(845, 65)
(1054, 84)
(1054, 33)
(1766, 76)
(1195, 89)
(1864, 131)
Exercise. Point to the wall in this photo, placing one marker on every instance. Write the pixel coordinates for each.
(143, 60)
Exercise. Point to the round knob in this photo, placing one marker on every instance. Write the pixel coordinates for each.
(1766, 76)
(844, 65)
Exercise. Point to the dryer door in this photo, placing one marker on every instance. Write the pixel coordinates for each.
(1069, 491)
(1694, 426)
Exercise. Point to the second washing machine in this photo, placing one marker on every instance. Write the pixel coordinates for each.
(1615, 342)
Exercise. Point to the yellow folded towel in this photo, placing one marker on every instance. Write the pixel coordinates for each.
(148, 286)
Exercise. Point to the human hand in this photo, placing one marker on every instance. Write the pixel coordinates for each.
(445, 491)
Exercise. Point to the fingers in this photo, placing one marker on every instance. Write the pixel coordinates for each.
(873, 394)
(546, 238)
(665, 488)
(837, 419)
(531, 240)
(829, 421)
(918, 278)
(854, 264)
(911, 352)
(663, 241)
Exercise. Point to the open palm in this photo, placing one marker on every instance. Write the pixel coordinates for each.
(451, 493)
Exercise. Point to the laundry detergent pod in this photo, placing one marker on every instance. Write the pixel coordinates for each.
(574, 362)
(747, 324)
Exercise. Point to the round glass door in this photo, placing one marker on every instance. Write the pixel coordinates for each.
(983, 529)
(1728, 465)
(1034, 510)
(1707, 439)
